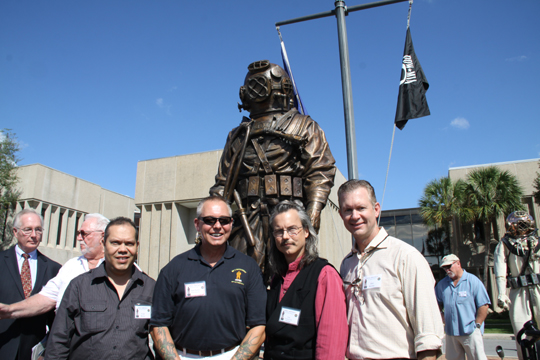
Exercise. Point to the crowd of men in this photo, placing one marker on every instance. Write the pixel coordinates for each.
(211, 301)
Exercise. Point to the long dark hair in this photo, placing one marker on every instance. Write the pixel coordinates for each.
(276, 259)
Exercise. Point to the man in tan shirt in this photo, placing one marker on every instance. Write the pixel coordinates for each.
(392, 309)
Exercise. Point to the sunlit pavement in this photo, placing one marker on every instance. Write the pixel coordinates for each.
(490, 343)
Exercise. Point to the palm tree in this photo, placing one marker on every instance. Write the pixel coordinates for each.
(536, 185)
(443, 201)
(492, 192)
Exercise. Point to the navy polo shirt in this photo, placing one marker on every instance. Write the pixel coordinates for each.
(235, 298)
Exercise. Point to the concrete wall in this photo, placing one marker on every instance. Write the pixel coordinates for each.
(168, 191)
(63, 200)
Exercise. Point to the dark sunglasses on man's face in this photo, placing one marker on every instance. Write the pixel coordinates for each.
(210, 220)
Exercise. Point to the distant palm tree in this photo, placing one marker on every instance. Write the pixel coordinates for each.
(443, 201)
(536, 185)
(492, 192)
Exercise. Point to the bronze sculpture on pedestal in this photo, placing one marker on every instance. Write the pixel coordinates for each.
(276, 154)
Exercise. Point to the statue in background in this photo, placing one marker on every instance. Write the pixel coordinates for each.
(276, 154)
(517, 263)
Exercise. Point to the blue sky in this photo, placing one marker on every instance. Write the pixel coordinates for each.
(92, 87)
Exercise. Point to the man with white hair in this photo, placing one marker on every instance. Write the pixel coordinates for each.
(90, 238)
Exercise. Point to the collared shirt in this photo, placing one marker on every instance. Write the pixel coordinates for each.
(234, 297)
(330, 309)
(93, 323)
(461, 303)
(392, 309)
(54, 289)
(32, 262)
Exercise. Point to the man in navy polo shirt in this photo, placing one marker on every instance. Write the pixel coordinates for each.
(210, 300)
(466, 303)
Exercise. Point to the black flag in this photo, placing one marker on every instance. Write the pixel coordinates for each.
(412, 101)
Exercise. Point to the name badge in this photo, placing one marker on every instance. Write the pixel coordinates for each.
(372, 282)
(143, 311)
(195, 289)
(462, 294)
(289, 316)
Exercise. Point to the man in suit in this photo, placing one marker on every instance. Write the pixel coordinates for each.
(24, 271)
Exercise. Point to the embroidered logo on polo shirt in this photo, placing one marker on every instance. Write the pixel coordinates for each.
(238, 276)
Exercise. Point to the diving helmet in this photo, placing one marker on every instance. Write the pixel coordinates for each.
(519, 223)
(267, 88)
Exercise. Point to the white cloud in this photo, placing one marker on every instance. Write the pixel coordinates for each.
(460, 123)
(159, 102)
(517, 58)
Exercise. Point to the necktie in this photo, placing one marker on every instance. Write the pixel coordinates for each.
(26, 276)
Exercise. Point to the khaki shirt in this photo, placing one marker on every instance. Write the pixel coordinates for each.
(392, 309)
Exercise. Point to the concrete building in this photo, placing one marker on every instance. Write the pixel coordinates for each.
(63, 200)
(168, 191)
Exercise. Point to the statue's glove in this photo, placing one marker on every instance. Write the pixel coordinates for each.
(503, 301)
(313, 210)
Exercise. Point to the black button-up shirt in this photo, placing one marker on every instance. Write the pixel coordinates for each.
(93, 323)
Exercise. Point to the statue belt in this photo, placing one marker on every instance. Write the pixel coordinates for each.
(524, 280)
(270, 186)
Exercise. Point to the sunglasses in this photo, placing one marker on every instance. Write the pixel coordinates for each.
(210, 220)
(86, 233)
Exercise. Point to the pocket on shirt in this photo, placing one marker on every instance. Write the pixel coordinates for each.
(93, 316)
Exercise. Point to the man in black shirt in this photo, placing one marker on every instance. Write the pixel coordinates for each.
(105, 312)
(209, 301)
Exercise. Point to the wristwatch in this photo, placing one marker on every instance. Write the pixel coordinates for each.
(478, 325)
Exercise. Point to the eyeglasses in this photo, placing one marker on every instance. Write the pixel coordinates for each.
(86, 233)
(28, 231)
(292, 231)
(210, 220)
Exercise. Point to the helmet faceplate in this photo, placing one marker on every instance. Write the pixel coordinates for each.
(267, 88)
(519, 223)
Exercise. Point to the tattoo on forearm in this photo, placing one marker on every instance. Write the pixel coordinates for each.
(165, 348)
(245, 351)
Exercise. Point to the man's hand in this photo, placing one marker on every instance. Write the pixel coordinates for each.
(503, 301)
(427, 355)
(5, 311)
(249, 348)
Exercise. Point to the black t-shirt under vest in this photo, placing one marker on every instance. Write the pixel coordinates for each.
(285, 341)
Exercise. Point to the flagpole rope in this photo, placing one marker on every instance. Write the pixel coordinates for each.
(387, 171)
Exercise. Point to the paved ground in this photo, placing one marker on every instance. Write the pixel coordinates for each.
(492, 340)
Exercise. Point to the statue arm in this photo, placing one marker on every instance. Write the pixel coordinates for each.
(320, 169)
(500, 269)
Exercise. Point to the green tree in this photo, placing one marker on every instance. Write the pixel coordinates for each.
(536, 185)
(442, 202)
(492, 192)
(9, 147)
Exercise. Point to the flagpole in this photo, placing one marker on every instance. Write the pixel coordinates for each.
(340, 12)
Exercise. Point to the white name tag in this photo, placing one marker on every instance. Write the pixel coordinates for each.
(462, 294)
(289, 316)
(143, 311)
(195, 289)
(371, 282)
